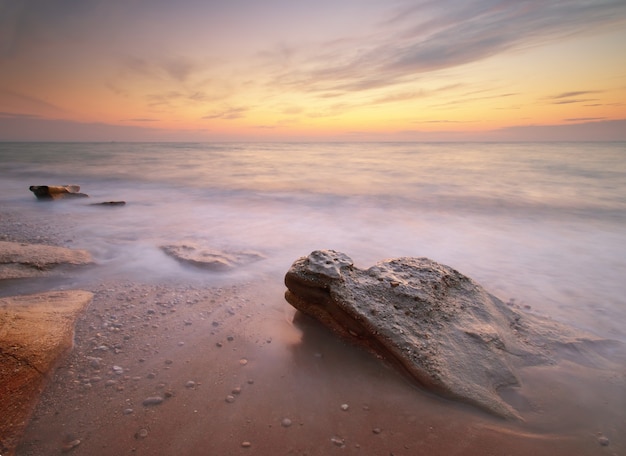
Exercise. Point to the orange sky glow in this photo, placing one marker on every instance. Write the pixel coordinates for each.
(282, 70)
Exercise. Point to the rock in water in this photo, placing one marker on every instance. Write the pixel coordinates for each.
(205, 257)
(48, 192)
(440, 327)
(20, 260)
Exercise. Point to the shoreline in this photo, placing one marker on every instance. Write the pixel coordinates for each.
(181, 368)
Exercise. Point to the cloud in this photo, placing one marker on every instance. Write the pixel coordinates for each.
(28, 102)
(584, 119)
(431, 36)
(573, 94)
(571, 97)
(13, 115)
(231, 113)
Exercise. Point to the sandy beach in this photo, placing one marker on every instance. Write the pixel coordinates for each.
(186, 368)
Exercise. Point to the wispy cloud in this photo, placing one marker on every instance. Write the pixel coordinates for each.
(453, 33)
(572, 97)
(14, 115)
(585, 119)
(230, 113)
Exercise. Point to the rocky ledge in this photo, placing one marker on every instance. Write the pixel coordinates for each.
(20, 260)
(35, 331)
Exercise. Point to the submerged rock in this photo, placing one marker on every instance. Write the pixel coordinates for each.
(20, 260)
(48, 192)
(207, 258)
(109, 203)
(429, 320)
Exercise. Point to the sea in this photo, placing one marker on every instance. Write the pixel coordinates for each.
(539, 224)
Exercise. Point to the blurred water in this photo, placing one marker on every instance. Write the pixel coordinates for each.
(540, 223)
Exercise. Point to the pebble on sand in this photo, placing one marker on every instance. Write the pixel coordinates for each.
(345, 407)
(141, 434)
(246, 444)
(230, 398)
(286, 422)
(154, 400)
(70, 445)
(243, 361)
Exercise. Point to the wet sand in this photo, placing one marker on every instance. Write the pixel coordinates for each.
(183, 368)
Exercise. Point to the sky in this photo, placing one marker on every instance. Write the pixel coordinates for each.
(324, 70)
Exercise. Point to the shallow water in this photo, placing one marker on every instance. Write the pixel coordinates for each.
(539, 223)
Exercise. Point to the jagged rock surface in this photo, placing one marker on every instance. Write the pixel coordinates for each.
(434, 323)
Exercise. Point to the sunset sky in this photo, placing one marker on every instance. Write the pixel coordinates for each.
(289, 70)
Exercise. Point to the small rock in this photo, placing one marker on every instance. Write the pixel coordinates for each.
(118, 370)
(128, 411)
(603, 440)
(243, 361)
(230, 398)
(345, 407)
(338, 441)
(236, 390)
(286, 422)
(69, 446)
(190, 384)
(218, 344)
(246, 444)
(154, 400)
(141, 434)
(377, 430)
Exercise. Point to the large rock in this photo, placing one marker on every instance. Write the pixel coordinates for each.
(48, 192)
(440, 327)
(205, 257)
(35, 331)
(20, 260)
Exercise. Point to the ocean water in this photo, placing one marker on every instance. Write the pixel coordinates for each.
(541, 223)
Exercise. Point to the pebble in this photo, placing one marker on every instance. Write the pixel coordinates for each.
(70, 445)
(128, 411)
(118, 370)
(286, 422)
(246, 444)
(243, 361)
(376, 430)
(345, 407)
(236, 390)
(338, 441)
(230, 398)
(141, 434)
(190, 384)
(603, 440)
(153, 400)
(218, 344)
